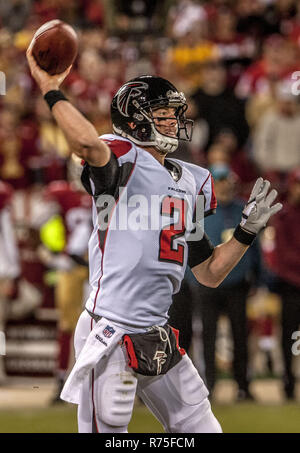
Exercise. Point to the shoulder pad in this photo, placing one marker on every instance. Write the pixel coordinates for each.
(119, 147)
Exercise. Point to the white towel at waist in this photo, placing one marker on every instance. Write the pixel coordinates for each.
(101, 340)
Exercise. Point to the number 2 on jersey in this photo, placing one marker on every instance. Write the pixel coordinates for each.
(167, 251)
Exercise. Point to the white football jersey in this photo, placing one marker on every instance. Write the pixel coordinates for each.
(138, 261)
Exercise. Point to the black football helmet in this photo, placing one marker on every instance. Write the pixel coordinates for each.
(135, 102)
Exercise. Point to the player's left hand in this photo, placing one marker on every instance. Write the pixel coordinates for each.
(259, 208)
(45, 81)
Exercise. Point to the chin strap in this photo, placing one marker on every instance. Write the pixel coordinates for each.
(162, 143)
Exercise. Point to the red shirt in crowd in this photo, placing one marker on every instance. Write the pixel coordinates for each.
(73, 205)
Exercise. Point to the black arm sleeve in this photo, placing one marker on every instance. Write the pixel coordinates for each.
(199, 251)
(104, 178)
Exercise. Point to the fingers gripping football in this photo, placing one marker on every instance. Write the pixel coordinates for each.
(259, 208)
(45, 81)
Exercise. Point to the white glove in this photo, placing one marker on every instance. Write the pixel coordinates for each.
(258, 210)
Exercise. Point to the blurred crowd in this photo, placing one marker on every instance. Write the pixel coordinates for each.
(237, 63)
(236, 60)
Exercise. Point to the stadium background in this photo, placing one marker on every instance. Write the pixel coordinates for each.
(191, 43)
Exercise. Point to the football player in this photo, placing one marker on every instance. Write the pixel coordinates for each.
(123, 343)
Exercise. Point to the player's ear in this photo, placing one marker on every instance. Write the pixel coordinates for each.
(132, 125)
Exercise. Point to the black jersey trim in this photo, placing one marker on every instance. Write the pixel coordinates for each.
(105, 178)
(85, 179)
(176, 165)
(125, 173)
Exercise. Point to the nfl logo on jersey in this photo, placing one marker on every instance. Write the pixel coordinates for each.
(108, 331)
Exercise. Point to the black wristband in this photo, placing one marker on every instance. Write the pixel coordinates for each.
(54, 96)
(243, 236)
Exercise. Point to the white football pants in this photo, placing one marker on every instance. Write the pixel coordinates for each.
(178, 399)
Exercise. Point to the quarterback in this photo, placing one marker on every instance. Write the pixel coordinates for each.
(123, 343)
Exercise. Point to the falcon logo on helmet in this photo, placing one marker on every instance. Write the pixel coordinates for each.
(132, 111)
(129, 91)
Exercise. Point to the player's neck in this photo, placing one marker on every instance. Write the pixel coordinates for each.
(156, 154)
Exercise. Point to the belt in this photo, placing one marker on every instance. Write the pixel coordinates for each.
(95, 317)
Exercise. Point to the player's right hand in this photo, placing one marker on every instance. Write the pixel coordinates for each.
(258, 210)
(45, 81)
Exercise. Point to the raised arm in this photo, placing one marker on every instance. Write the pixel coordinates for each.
(255, 216)
(80, 133)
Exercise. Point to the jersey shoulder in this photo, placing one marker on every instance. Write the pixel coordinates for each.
(204, 185)
(119, 146)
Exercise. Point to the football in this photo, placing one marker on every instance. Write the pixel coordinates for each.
(55, 46)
